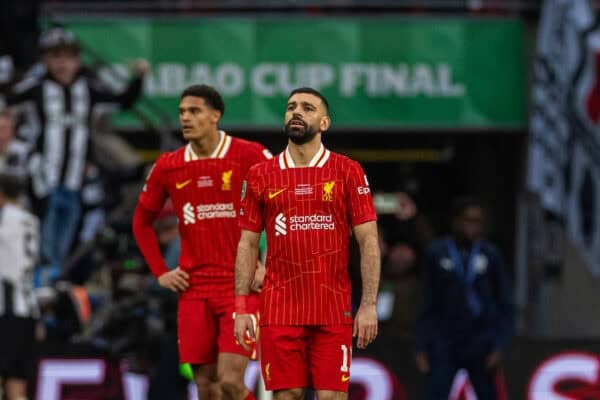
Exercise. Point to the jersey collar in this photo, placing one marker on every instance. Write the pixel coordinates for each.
(318, 160)
(219, 152)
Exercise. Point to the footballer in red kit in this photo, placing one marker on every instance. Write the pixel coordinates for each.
(203, 179)
(308, 199)
(307, 282)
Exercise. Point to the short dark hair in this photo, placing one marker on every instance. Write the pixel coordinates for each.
(210, 95)
(312, 91)
(461, 203)
(11, 185)
(58, 38)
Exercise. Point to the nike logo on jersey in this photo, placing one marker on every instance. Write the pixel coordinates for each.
(345, 378)
(274, 194)
(181, 185)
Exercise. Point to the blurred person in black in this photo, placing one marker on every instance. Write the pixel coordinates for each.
(165, 379)
(405, 234)
(59, 108)
(466, 319)
(19, 241)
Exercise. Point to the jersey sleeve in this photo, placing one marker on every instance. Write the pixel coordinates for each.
(153, 193)
(261, 153)
(147, 241)
(251, 210)
(359, 200)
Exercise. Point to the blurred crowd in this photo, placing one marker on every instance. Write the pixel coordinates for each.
(81, 181)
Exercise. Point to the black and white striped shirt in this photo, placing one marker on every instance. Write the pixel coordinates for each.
(19, 250)
(58, 122)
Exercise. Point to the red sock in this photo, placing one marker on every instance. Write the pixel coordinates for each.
(250, 396)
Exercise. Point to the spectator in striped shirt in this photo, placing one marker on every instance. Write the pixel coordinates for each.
(19, 243)
(59, 107)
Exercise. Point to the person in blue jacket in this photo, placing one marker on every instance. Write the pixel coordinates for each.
(466, 320)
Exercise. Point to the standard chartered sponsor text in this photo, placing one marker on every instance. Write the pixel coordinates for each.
(311, 222)
(268, 79)
(216, 210)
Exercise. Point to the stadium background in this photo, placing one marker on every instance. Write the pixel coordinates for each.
(433, 97)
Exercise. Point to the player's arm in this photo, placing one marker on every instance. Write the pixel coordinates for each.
(145, 237)
(370, 264)
(365, 322)
(259, 275)
(363, 217)
(260, 154)
(151, 201)
(245, 268)
(245, 262)
(251, 223)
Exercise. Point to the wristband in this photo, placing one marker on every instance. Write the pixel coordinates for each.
(241, 304)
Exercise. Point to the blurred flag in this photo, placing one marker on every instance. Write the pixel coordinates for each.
(564, 137)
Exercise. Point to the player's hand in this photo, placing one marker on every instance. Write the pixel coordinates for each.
(422, 362)
(140, 67)
(259, 277)
(175, 280)
(243, 329)
(365, 325)
(407, 208)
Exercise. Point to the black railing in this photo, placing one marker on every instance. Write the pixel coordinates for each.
(199, 6)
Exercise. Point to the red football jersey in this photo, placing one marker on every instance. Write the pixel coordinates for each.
(307, 214)
(206, 195)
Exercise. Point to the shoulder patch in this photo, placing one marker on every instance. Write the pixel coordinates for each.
(244, 186)
(268, 155)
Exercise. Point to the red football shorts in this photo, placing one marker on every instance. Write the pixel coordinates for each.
(306, 356)
(205, 329)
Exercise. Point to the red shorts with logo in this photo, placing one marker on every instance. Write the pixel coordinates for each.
(205, 328)
(306, 356)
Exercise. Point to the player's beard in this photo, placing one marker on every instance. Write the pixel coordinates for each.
(300, 135)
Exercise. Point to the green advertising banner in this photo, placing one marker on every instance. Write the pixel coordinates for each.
(377, 73)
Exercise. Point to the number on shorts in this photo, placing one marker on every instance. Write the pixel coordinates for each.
(345, 355)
